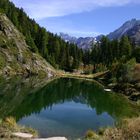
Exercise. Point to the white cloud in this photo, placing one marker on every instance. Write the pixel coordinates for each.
(40, 9)
(57, 25)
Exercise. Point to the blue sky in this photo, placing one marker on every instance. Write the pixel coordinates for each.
(81, 17)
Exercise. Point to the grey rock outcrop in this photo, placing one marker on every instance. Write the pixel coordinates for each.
(15, 55)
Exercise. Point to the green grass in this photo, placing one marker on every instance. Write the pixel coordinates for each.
(90, 134)
(2, 60)
(138, 102)
(88, 76)
(127, 129)
(3, 42)
(9, 126)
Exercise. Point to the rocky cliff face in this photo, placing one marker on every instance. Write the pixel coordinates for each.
(15, 56)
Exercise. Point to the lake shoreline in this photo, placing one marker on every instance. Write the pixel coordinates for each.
(133, 95)
(46, 81)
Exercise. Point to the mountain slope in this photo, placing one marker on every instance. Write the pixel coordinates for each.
(15, 56)
(81, 42)
(130, 28)
(68, 38)
(48, 45)
(85, 43)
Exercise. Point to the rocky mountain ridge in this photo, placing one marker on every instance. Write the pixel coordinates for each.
(81, 42)
(130, 28)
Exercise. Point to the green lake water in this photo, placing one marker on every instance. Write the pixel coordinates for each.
(63, 107)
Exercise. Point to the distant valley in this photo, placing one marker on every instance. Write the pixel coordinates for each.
(130, 28)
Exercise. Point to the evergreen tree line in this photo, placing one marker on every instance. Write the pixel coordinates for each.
(59, 53)
(64, 55)
(107, 52)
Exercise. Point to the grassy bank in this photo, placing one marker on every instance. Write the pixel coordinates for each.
(124, 78)
(8, 126)
(127, 129)
(82, 76)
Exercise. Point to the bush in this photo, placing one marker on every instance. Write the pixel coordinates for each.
(128, 129)
(9, 126)
(10, 121)
(123, 72)
(101, 131)
(138, 102)
(90, 134)
(136, 54)
(0, 121)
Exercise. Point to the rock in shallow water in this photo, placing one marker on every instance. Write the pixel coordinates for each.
(108, 90)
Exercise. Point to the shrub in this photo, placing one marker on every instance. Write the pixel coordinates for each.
(90, 134)
(123, 71)
(10, 121)
(0, 121)
(9, 126)
(101, 131)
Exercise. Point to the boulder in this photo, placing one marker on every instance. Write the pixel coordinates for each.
(22, 135)
(53, 138)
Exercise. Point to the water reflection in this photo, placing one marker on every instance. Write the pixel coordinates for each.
(61, 104)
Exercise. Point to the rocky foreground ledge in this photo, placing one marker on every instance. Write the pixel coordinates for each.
(29, 136)
(53, 138)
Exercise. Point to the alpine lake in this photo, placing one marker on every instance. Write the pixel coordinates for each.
(62, 107)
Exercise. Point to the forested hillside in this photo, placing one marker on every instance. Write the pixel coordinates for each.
(15, 56)
(107, 52)
(59, 53)
(66, 56)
